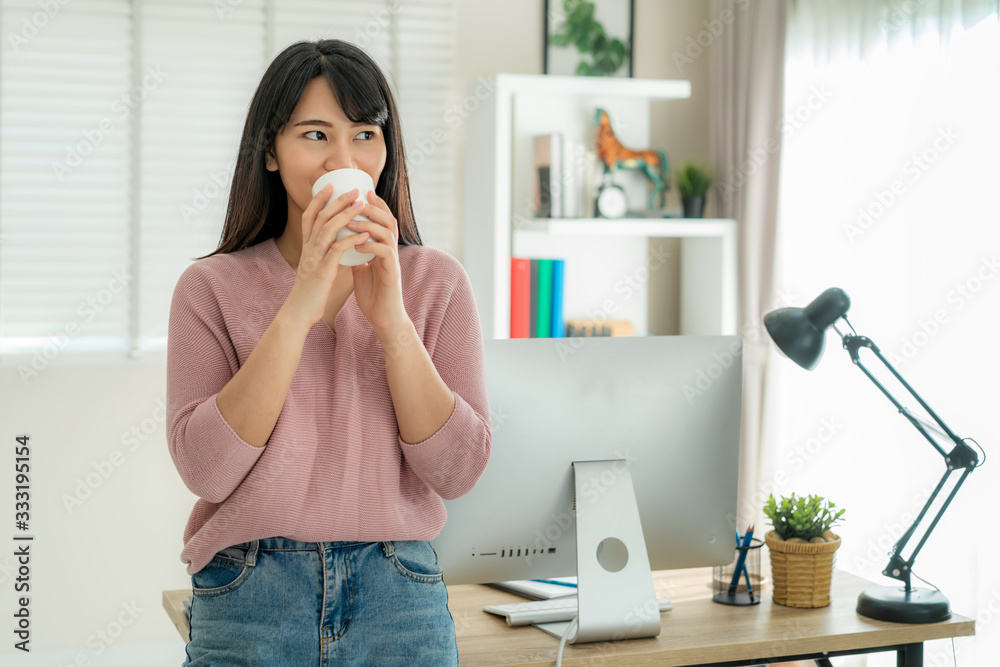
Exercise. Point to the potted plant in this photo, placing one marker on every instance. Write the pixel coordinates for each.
(584, 31)
(802, 547)
(693, 181)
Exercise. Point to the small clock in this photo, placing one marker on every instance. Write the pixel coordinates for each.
(611, 201)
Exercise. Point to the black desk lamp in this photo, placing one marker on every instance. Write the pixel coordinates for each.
(799, 334)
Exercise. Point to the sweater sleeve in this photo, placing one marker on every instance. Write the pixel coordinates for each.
(211, 458)
(452, 459)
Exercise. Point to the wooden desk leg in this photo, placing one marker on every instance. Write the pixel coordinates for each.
(823, 662)
(911, 655)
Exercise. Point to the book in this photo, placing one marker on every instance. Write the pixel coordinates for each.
(533, 299)
(597, 328)
(536, 297)
(549, 176)
(543, 321)
(520, 297)
(558, 278)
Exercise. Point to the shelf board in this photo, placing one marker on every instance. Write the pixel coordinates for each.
(547, 84)
(666, 227)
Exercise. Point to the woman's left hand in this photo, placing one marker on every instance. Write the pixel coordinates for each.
(378, 287)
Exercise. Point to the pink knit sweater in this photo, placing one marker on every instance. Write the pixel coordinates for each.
(323, 475)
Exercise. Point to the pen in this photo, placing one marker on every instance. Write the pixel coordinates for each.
(557, 583)
(741, 561)
(746, 573)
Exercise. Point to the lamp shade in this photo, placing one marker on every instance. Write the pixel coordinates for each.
(799, 332)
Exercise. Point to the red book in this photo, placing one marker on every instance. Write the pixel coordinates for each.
(520, 297)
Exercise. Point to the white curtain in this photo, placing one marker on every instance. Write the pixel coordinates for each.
(746, 88)
(889, 183)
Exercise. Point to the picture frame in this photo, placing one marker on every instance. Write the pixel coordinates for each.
(614, 19)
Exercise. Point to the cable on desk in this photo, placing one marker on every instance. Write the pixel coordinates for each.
(570, 631)
(954, 654)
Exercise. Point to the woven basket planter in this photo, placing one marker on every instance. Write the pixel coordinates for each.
(801, 573)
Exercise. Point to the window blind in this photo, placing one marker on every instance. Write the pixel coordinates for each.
(65, 176)
(426, 51)
(119, 124)
(210, 57)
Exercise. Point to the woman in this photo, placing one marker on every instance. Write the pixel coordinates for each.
(322, 412)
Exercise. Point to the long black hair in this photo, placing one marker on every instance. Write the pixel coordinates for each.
(258, 203)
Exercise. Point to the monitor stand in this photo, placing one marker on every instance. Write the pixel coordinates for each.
(615, 594)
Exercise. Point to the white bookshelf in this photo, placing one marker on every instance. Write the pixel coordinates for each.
(609, 265)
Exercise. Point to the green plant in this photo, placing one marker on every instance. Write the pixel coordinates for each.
(801, 517)
(693, 180)
(587, 34)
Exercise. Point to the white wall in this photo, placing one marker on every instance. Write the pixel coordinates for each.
(120, 546)
(107, 508)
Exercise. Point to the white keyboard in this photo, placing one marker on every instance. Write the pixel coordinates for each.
(546, 611)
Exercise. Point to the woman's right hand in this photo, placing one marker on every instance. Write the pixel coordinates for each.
(319, 261)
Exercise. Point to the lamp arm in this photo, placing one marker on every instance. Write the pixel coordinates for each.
(960, 457)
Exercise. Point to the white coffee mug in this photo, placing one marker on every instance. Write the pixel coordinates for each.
(345, 180)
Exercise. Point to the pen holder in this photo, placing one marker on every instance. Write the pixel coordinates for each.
(739, 593)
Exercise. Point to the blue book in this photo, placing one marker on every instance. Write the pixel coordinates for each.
(558, 282)
(533, 303)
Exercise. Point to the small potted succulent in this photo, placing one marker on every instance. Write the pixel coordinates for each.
(693, 182)
(802, 547)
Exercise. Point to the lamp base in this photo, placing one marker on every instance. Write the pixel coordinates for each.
(896, 604)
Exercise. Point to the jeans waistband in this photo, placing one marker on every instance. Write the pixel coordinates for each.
(286, 544)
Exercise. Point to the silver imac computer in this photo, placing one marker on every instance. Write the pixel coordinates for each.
(612, 457)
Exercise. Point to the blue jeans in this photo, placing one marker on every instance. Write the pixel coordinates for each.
(277, 602)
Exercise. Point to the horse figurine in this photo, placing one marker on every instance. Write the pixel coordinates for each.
(616, 156)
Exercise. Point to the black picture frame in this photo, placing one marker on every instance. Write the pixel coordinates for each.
(616, 16)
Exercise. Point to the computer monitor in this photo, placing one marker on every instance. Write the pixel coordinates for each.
(662, 414)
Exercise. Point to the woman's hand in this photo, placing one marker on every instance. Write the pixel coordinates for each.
(378, 287)
(321, 252)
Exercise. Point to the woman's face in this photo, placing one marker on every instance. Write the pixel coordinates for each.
(319, 137)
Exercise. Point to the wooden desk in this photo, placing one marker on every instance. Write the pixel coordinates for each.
(696, 632)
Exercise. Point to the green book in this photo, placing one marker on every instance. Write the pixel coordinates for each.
(543, 314)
